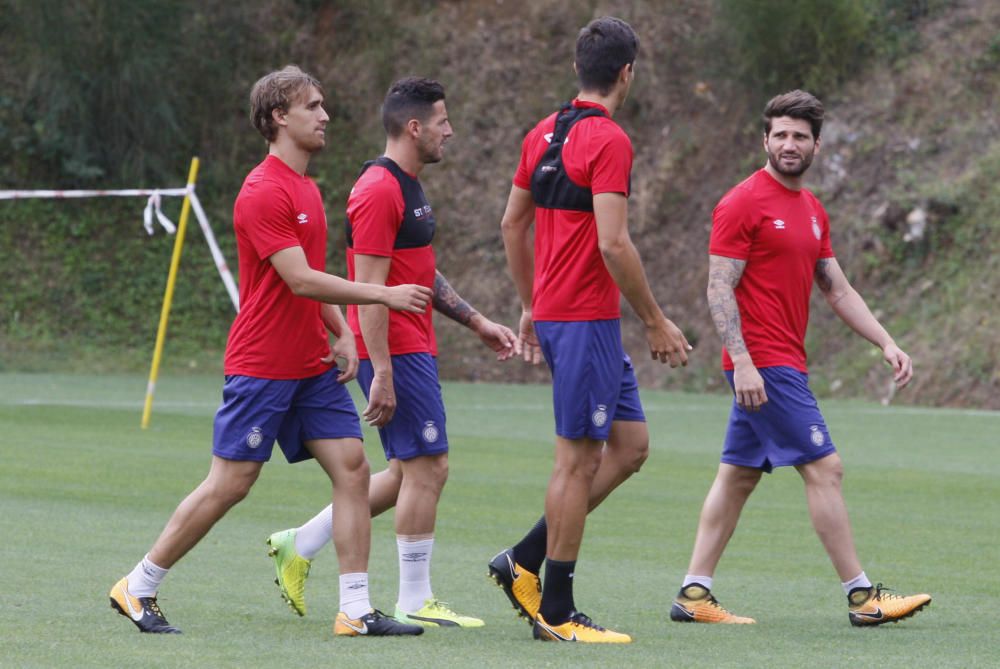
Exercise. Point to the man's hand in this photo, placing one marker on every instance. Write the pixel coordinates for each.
(381, 400)
(748, 385)
(498, 337)
(346, 349)
(902, 366)
(407, 297)
(531, 351)
(667, 343)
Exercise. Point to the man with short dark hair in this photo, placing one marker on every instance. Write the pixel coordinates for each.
(572, 185)
(770, 241)
(390, 226)
(281, 382)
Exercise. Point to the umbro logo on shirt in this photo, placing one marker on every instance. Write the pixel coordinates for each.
(779, 224)
(303, 219)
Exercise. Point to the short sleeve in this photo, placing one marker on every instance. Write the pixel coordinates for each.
(611, 167)
(825, 245)
(522, 177)
(732, 226)
(375, 210)
(267, 218)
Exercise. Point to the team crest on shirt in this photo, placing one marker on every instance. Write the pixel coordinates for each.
(255, 437)
(600, 416)
(816, 435)
(816, 229)
(430, 432)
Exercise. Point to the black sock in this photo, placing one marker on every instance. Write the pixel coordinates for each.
(557, 592)
(530, 551)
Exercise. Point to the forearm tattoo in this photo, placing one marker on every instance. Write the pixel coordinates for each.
(723, 276)
(822, 275)
(450, 303)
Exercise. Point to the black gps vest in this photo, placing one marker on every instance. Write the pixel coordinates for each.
(417, 228)
(551, 187)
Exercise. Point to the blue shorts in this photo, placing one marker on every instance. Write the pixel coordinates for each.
(593, 381)
(788, 430)
(255, 412)
(417, 427)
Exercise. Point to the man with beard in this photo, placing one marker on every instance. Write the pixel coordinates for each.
(390, 226)
(770, 241)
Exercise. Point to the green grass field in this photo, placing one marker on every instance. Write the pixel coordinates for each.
(84, 492)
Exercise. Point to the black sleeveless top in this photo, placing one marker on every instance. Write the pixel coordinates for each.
(551, 187)
(417, 228)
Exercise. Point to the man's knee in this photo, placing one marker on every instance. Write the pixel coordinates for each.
(630, 446)
(740, 480)
(429, 472)
(827, 471)
(229, 490)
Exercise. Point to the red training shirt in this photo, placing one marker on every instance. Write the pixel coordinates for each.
(781, 234)
(571, 282)
(277, 335)
(375, 209)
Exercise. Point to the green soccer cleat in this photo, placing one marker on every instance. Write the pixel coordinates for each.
(436, 613)
(292, 569)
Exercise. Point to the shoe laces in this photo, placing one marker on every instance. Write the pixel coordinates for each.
(879, 589)
(438, 605)
(374, 614)
(584, 620)
(153, 607)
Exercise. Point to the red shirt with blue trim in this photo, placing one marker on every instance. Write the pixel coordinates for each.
(781, 234)
(375, 210)
(571, 282)
(277, 334)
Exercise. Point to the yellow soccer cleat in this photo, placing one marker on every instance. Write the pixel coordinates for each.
(436, 613)
(876, 606)
(696, 604)
(579, 628)
(522, 587)
(144, 612)
(291, 568)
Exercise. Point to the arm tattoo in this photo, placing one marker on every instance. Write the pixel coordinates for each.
(450, 303)
(723, 275)
(822, 275)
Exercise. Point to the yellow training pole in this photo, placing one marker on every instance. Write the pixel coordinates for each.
(168, 295)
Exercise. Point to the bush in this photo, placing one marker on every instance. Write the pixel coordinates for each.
(776, 45)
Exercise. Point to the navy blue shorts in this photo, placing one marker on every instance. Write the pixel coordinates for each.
(417, 427)
(593, 381)
(255, 412)
(788, 430)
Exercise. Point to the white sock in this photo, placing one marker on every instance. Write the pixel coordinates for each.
(859, 581)
(692, 578)
(354, 600)
(145, 579)
(315, 534)
(414, 573)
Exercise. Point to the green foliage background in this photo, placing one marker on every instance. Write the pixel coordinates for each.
(121, 94)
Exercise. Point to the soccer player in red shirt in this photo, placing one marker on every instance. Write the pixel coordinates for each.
(572, 185)
(390, 226)
(281, 381)
(770, 242)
